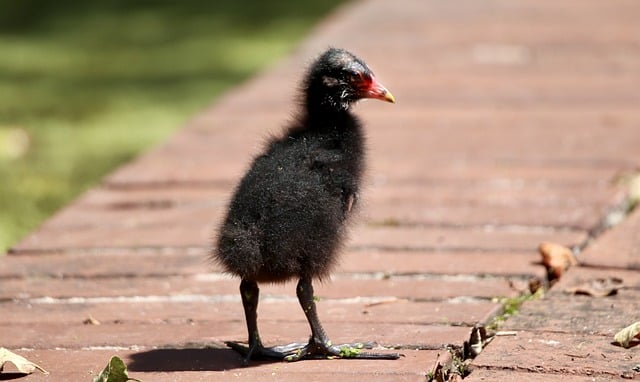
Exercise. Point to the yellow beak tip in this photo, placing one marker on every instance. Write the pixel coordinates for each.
(389, 97)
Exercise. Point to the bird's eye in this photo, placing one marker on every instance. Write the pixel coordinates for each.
(355, 76)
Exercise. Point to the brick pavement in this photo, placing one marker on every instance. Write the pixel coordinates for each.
(514, 123)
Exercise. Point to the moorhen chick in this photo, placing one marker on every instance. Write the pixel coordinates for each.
(289, 214)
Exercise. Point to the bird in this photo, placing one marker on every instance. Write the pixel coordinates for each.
(289, 214)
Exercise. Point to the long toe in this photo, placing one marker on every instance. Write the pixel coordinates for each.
(287, 350)
(259, 352)
(245, 351)
(242, 349)
(319, 350)
(355, 350)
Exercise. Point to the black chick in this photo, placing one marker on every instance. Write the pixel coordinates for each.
(288, 215)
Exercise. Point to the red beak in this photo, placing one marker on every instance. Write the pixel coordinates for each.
(376, 90)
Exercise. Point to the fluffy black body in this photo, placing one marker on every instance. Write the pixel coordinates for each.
(287, 216)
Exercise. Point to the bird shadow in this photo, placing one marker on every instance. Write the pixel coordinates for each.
(10, 376)
(188, 359)
(632, 344)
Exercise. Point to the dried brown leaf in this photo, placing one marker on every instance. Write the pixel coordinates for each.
(600, 287)
(556, 258)
(23, 365)
(438, 374)
(91, 321)
(626, 336)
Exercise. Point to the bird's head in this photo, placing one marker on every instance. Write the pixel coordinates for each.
(337, 79)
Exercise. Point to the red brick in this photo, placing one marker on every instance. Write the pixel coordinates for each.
(500, 187)
(414, 212)
(557, 353)
(179, 261)
(387, 311)
(508, 373)
(155, 229)
(201, 333)
(480, 238)
(565, 313)
(504, 263)
(618, 247)
(115, 263)
(580, 274)
(419, 288)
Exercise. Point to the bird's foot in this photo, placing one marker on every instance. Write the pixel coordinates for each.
(257, 351)
(318, 350)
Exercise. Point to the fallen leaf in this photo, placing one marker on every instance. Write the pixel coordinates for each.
(438, 374)
(23, 365)
(116, 371)
(91, 321)
(556, 258)
(600, 287)
(627, 335)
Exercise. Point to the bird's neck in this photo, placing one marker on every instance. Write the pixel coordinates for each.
(328, 119)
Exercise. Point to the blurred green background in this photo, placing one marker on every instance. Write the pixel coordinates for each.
(87, 85)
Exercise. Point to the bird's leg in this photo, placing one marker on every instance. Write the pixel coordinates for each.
(319, 345)
(250, 294)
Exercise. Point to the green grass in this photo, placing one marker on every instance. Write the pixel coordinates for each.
(93, 83)
(511, 307)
